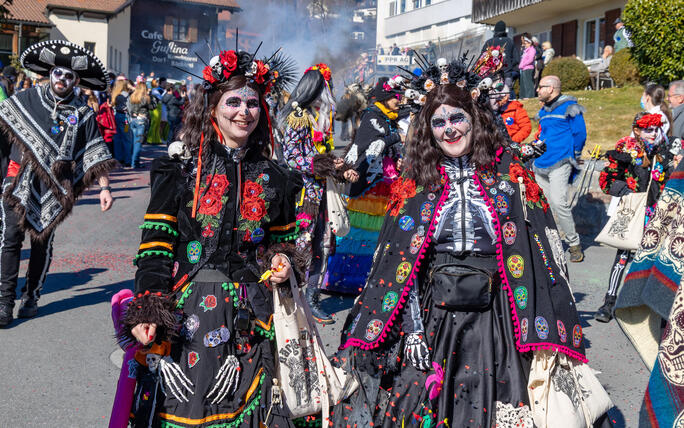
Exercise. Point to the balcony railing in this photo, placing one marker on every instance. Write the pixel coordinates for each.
(486, 9)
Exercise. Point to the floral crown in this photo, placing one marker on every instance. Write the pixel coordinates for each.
(277, 71)
(649, 120)
(323, 69)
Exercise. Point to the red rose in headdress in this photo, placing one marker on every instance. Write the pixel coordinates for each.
(650, 120)
(261, 73)
(208, 75)
(325, 71)
(229, 60)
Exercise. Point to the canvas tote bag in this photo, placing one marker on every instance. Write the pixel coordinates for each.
(309, 382)
(625, 228)
(564, 393)
(337, 207)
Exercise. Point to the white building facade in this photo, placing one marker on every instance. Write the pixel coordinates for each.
(414, 23)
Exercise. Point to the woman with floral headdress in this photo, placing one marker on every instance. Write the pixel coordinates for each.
(216, 226)
(307, 121)
(468, 281)
(626, 171)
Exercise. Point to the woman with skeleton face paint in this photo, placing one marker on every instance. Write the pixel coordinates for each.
(628, 169)
(459, 296)
(306, 122)
(221, 213)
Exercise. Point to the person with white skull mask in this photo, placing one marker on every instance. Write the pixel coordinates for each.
(56, 153)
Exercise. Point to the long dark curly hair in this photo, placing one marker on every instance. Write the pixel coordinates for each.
(423, 155)
(198, 118)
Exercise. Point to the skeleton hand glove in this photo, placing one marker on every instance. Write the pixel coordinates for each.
(228, 378)
(174, 380)
(416, 351)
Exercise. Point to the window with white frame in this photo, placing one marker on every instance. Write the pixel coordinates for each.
(594, 40)
(392, 8)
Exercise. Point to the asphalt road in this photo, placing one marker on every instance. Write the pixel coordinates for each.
(57, 369)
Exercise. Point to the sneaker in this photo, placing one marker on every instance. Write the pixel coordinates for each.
(6, 314)
(576, 254)
(28, 308)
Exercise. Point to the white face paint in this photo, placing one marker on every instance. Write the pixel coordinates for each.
(62, 81)
(451, 129)
(237, 115)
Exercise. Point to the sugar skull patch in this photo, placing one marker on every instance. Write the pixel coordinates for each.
(577, 336)
(194, 251)
(502, 204)
(488, 178)
(390, 301)
(520, 295)
(510, 232)
(190, 326)
(542, 327)
(208, 302)
(406, 223)
(561, 331)
(373, 329)
(506, 187)
(416, 242)
(524, 326)
(176, 265)
(403, 272)
(516, 265)
(426, 211)
(216, 337)
(193, 358)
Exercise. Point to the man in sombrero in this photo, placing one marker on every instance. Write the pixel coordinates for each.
(56, 152)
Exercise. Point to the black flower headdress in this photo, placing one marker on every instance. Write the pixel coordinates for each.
(464, 72)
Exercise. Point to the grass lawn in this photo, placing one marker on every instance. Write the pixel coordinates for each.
(609, 114)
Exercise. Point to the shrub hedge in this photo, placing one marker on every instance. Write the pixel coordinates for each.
(657, 30)
(624, 69)
(572, 73)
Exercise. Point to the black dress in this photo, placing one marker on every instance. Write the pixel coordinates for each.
(484, 377)
(209, 267)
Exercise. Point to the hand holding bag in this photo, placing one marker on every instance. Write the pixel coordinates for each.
(625, 228)
(337, 207)
(309, 381)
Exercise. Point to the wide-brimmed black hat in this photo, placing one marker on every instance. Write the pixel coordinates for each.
(42, 56)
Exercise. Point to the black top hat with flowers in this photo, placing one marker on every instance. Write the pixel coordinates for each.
(43, 56)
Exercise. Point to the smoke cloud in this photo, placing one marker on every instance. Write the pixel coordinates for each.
(303, 32)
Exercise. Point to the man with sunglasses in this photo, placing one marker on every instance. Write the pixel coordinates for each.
(562, 128)
(56, 152)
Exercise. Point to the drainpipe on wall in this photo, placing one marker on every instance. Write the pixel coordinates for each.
(19, 39)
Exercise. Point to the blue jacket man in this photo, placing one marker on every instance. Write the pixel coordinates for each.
(562, 127)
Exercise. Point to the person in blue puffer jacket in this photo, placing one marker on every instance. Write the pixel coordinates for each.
(561, 126)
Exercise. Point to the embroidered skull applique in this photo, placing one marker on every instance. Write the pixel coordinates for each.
(524, 326)
(509, 231)
(561, 331)
(542, 327)
(373, 329)
(516, 265)
(403, 272)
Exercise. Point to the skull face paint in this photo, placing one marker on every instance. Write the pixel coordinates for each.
(237, 115)
(451, 129)
(62, 81)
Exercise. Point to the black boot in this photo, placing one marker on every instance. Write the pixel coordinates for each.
(6, 317)
(28, 308)
(605, 312)
(312, 298)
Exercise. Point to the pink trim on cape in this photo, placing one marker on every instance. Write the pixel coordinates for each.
(414, 272)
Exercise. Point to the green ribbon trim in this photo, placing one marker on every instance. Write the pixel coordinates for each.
(268, 334)
(286, 237)
(158, 226)
(184, 296)
(248, 410)
(230, 289)
(308, 421)
(152, 253)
